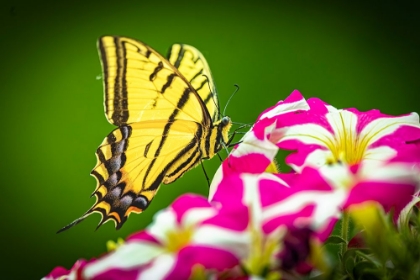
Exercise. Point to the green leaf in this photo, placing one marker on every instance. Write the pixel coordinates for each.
(335, 240)
(366, 255)
(349, 265)
(350, 253)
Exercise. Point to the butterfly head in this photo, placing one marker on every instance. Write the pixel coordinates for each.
(223, 127)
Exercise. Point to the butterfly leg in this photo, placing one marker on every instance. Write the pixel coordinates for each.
(229, 142)
(205, 173)
(221, 160)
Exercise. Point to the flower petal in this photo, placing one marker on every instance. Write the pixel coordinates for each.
(129, 256)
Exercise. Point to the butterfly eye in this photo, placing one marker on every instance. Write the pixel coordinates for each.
(225, 121)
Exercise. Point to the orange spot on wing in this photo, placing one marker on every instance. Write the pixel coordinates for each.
(133, 209)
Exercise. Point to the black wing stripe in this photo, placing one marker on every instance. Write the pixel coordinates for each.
(209, 97)
(191, 161)
(156, 71)
(201, 86)
(194, 157)
(180, 56)
(217, 144)
(98, 176)
(207, 143)
(196, 75)
(168, 83)
(120, 114)
(156, 183)
(182, 101)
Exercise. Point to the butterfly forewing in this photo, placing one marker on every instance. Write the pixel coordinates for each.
(142, 85)
(193, 66)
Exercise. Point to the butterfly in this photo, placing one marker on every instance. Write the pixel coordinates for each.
(168, 119)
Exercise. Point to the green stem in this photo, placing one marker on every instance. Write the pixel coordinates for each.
(344, 231)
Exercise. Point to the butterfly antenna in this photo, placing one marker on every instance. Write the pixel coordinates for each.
(236, 90)
(205, 173)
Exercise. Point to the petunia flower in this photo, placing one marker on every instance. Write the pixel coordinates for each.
(365, 155)
(371, 155)
(190, 235)
(280, 205)
(326, 135)
(352, 167)
(280, 211)
(256, 152)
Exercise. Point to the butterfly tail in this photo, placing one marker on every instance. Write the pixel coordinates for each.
(75, 222)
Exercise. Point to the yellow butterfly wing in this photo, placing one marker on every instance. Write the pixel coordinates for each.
(164, 130)
(194, 67)
(140, 84)
(133, 161)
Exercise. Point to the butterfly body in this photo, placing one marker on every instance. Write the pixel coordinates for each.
(168, 121)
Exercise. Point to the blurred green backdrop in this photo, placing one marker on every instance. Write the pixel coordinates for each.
(359, 55)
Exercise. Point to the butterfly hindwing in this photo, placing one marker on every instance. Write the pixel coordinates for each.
(133, 160)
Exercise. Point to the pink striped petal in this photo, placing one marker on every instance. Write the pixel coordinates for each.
(210, 258)
(117, 274)
(186, 202)
(389, 195)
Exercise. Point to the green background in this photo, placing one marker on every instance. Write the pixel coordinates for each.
(350, 55)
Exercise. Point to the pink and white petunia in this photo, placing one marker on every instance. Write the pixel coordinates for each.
(376, 154)
(190, 235)
(326, 135)
(279, 213)
(343, 157)
(283, 199)
(371, 155)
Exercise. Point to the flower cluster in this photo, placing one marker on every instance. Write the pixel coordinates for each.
(261, 223)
